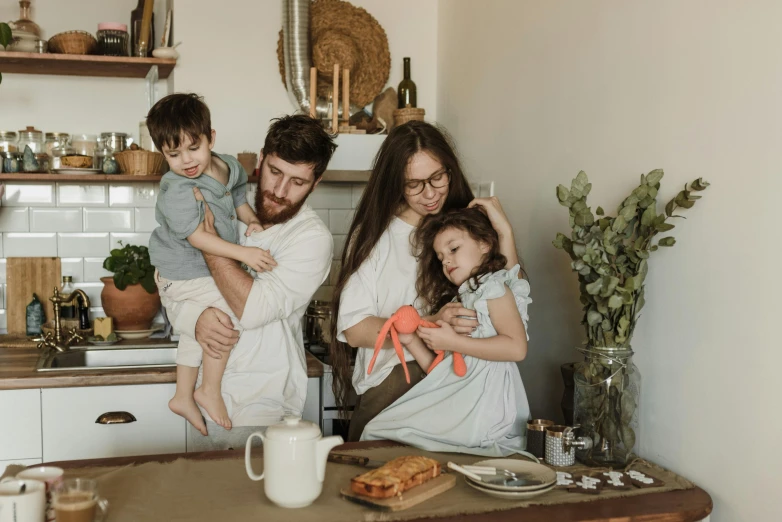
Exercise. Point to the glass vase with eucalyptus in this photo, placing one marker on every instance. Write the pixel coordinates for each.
(607, 395)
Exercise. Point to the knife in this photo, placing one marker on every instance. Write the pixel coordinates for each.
(355, 460)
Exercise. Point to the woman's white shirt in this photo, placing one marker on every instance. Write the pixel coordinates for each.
(381, 285)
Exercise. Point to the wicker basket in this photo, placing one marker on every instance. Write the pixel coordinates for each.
(140, 162)
(408, 114)
(73, 42)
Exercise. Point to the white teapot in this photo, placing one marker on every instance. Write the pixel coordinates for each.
(294, 461)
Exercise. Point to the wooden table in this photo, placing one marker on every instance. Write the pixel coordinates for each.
(688, 505)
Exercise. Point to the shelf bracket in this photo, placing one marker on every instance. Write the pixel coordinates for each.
(152, 79)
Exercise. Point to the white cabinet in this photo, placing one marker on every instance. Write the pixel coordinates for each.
(20, 424)
(144, 424)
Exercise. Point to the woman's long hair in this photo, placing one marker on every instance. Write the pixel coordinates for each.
(383, 197)
(434, 289)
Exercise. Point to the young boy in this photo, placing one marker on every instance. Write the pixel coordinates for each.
(180, 126)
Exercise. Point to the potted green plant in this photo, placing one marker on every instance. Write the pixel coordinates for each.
(610, 255)
(5, 38)
(130, 297)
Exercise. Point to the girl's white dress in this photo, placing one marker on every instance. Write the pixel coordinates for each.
(483, 413)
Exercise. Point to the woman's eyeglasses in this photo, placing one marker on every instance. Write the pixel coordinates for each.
(415, 187)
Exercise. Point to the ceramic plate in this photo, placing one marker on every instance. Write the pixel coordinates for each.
(523, 468)
(510, 495)
(76, 171)
(138, 334)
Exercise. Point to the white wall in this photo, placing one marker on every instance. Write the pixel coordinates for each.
(229, 55)
(616, 88)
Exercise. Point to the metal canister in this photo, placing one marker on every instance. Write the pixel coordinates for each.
(536, 436)
(115, 141)
(561, 444)
(317, 323)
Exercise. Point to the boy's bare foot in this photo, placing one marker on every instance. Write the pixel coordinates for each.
(187, 408)
(214, 405)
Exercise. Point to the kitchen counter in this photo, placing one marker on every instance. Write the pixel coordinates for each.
(17, 371)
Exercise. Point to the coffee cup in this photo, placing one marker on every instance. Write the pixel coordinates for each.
(51, 476)
(22, 500)
(77, 500)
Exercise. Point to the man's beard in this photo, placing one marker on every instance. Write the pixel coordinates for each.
(267, 217)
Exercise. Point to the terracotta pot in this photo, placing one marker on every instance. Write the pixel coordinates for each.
(132, 309)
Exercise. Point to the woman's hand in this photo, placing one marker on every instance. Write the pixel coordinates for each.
(462, 320)
(443, 338)
(214, 332)
(493, 209)
(499, 221)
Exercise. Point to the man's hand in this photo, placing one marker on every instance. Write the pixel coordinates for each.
(214, 332)
(464, 321)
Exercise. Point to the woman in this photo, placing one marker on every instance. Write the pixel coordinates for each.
(416, 173)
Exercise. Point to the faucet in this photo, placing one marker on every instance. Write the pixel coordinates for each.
(57, 341)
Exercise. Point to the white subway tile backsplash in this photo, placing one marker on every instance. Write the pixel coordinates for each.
(96, 312)
(133, 195)
(2, 271)
(2, 253)
(83, 244)
(323, 214)
(74, 267)
(71, 195)
(339, 221)
(130, 239)
(29, 245)
(357, 192)
(14, 219)
(145, 219)
(330, 196)
(93, 269)
(334, 274)
(93, 291)
(26, 194)
(3, 320)
(2, 293)
(108, 220)
(339, 245)
(56, 220)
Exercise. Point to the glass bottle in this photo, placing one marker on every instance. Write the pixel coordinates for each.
(406, 92)
(67, 310)
(135, 29)
(25, 24)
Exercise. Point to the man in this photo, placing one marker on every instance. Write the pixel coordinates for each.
(266, 374)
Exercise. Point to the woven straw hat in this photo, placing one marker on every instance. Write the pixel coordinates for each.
(345, 34)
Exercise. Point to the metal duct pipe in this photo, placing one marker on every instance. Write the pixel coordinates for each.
(296, 52)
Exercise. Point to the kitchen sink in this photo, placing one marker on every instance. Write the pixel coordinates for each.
(116, 358)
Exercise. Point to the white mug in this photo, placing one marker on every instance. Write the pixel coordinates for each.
(51, 476)
(22, 500)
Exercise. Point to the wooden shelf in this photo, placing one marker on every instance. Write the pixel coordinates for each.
(82, 65)
(330, 176)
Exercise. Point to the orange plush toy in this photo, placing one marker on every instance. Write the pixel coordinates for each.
(406, 320)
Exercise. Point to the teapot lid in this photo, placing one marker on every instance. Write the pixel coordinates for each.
(293, 427)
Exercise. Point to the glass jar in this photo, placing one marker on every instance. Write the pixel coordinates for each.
(606, 398)
(9, 141)
(115, 141)
(55, 140)
(64, 149)
(25, 24)
(85, 145)
(12, 162)
(31, 137)
(112, 39)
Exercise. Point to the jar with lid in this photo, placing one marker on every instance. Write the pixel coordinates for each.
(115, 141)
(12, 161)
(31, 137)
(55, 140)
(8, 141)
(85, 145)
(105, 161)
(112, 39)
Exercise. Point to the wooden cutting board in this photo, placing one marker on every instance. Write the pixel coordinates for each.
(408, 498)
(25, 276)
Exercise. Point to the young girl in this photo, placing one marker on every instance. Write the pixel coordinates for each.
(486, 411)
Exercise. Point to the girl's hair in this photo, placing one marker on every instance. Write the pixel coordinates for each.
(383, 197)
(433, 288)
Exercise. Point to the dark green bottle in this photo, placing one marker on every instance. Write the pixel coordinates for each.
(406, 91)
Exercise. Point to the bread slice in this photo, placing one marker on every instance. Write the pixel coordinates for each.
(395, 476)
(78, 162)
